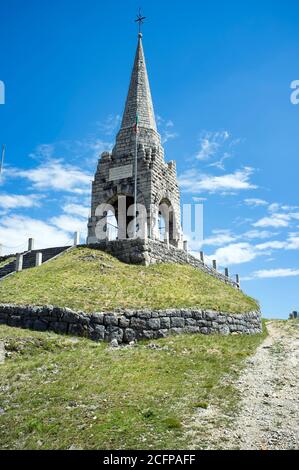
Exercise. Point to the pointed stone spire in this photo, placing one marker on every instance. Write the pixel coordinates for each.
(139, 99)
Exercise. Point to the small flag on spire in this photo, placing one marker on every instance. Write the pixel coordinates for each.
(2, 158)
(136, 124)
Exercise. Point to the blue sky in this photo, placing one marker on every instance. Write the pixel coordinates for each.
(220, 76)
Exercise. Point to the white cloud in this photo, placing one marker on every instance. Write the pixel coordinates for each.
(235, 253)
(293, 241)
(271, 245)
(167, 135)
(274, 220)
(255, 202)
(17, 201)
(56, 176)
(261, 234)
(164, 128)
(43, 152)
(86, 150)
(192, 181)
(219, 237)
(220, 163)
(15, 231)
(110, 124)
(199, 199)
(210, 142)
(272, 273)
(93, 148)
(76, 209)
(69, 224)
(275, 207)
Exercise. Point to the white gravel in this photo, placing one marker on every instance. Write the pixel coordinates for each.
(268, 417)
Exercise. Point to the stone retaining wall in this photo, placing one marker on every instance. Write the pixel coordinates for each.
(150, 251)
(128, 325)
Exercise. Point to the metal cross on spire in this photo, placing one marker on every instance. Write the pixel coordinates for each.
(140, 20)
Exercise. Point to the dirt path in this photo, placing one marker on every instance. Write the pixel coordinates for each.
(268, 417)
(2, 352)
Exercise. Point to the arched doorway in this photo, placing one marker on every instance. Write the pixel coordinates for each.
(117, 218)
(166, 220)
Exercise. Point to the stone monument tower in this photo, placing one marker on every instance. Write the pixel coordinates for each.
(138, 146)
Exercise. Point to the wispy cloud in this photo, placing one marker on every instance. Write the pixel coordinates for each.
(110, 124)
(210, 142)
(273, 273)
(55, 175)
(91, 149)
(193, 181)
(220, 163)
(243, 251)
(17, 201)
(15, 231)
(219, 238)
(69, 224)
(76, 209)
(291, 243)
(235, 253)
(275, 207)
(255, 202)
(274, 220)
(255, 234)
(166, 129)
(43, 152)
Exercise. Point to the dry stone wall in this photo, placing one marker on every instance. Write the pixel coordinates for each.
(128, 325)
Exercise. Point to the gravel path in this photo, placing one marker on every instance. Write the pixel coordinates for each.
(268, 417)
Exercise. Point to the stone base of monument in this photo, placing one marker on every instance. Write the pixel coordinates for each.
(129, 325)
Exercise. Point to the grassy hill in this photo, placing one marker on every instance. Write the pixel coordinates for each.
(60, 392)
(90, 280)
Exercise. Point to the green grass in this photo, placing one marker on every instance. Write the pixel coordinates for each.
(59, 392)
(90, 280)
(201, 404)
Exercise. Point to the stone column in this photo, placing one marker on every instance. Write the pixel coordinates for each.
(30, 244)
(38, 258)
(108, 233)
(76, 238)
(186, 245)
(215, 264)
(122, 218)
(166, 239)
(19, 262)
(202, 257)
(226, 273)
(238, 279)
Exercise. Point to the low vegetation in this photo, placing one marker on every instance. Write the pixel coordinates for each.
(70, 393)
(90, 280)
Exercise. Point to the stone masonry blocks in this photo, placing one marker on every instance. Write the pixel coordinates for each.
(128, 325)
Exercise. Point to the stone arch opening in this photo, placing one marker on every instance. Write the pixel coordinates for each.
(166, 220)
(117, 218)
